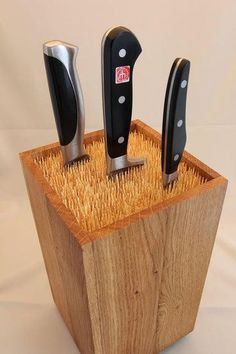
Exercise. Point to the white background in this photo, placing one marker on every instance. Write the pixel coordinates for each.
(202, 31)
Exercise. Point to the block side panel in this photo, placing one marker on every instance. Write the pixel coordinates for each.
(64, 264)
(123, 274)
(190, 235)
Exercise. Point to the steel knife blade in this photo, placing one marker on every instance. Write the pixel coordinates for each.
(120, 49)
(67, 98)
(174, 122)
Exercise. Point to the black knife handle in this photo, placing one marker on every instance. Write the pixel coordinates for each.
(63, 99)
(174, 120)
(67, 98)
(120, 49)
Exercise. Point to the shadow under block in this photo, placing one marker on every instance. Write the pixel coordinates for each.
(135, 286)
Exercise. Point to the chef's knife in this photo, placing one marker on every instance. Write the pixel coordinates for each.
(120, 49)
(173, 128)
(66, 97)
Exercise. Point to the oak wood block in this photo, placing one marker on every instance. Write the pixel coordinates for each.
(133, 287)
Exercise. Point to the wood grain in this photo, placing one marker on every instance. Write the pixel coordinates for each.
(190, 236)
(123, 273)
(133, 287)
(63, 257)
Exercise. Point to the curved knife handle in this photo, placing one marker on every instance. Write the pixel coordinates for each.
(174, 129)
(66, 96)
(120, 49)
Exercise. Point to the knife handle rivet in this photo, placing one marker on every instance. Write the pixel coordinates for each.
(121, 139)
(179, 123)
(176, 157)
(183, 83)
(121, 99)
(122, 53)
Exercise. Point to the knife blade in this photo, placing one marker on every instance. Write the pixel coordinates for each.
(67, 98)
(174, 120)
(120, 49)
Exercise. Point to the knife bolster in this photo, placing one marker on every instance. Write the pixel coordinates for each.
(122, 163)
(169, 178)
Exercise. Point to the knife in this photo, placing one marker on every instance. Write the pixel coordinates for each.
(173, 127)
(120, 49)
(67, 99)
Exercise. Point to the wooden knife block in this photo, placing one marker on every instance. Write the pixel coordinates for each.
(133, 287)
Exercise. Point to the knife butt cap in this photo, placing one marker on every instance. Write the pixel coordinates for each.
(57, 48)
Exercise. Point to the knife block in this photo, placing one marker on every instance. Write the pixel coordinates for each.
(134, 286)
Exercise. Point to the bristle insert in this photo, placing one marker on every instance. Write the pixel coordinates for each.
(97, 200)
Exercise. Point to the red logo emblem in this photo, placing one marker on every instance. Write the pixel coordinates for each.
(122, 74)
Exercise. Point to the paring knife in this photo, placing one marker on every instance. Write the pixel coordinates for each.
(67, 98)
(173, 128)
(120, 49)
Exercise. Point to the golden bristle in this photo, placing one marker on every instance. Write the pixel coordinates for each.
(96, 200)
